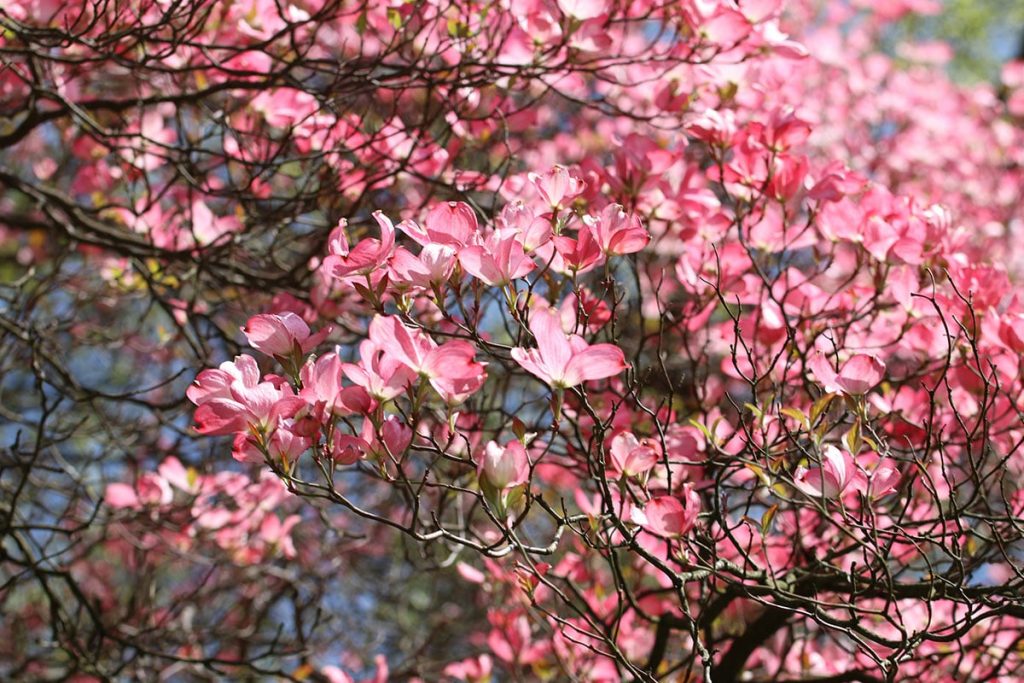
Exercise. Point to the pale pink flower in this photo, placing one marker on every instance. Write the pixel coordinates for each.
(583, 9)
(504, 466)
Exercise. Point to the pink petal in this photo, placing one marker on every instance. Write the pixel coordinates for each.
(597, 362)
(860, 374)
(121, 496)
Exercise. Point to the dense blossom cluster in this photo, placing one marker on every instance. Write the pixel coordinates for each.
(661, 341)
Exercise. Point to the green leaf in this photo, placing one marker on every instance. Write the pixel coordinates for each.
(705, 431)
(797, 415)
(766, 519)
(760, 473)
(852, 438)
(820, 405)
(394, 18)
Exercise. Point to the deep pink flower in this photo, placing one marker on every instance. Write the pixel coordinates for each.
(347, 449)
(667, 516)
(575, 255)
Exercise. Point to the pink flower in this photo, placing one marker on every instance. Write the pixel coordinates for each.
(287, 446)
(395, 437)
(382, 376)
(473, 670)
(565, 361)
(714, 127)
(830, 479)
(178, 476)
(882, 480)
(322, 390)
(282, 334)
(575, 255)
(433, 266)
(150, 489)
(348, 449)
(367, 256)
(497, 261)
(277, 534)
(232, 398)
(120, 495)
(1011, 330)
(668, 517)
(727, 28)
(245, 449)
(335, 675)
(629, 457)
(451, 224)
(533, 230)
(450, 368)
(456, 389)
(857, 376)
(557, 186)
(216, 382)
(504, 466)
(617, 232)
(584, 309)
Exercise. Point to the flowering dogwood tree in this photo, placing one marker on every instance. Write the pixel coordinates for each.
(551, 340)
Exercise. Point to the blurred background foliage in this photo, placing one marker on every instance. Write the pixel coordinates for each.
(984, 34)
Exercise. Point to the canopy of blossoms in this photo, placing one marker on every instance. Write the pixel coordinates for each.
(547, 340)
